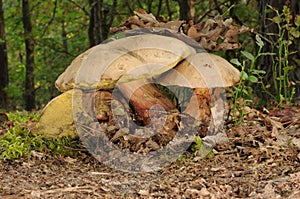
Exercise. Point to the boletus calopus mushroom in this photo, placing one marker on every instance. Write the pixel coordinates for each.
(135, 66)
(207, 74)
(131, 61)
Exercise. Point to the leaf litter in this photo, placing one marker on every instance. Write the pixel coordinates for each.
(261, 160)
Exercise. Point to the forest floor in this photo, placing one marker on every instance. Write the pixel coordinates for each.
(261, 160)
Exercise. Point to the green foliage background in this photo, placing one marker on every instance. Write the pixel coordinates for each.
(52, 56)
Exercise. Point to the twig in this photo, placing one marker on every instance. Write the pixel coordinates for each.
(129, 7)
(209, 11)
(140, 4)
(81, 8)
(52, 18)
(88, 189)
(218, 7)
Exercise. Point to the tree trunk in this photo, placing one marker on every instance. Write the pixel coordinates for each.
(101, 19)
(29, 92)
(91, 32)
(64, 37)
(187, 9)
(3, 62)
(95, 27)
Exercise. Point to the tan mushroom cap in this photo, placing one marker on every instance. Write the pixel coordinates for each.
(66, 80)
(56, 119)
(202, 70)
(126, 59)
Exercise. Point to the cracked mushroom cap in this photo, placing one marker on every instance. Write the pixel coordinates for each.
(125, 59)
(201, 70)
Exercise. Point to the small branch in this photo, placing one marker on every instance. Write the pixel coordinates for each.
(81, 8)
(140, 4)
(88, 189)
(52, 18)
(55, 49)
(209, 11)
(131, 10)
(217, 6)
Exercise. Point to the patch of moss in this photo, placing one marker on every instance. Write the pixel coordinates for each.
(18, 141)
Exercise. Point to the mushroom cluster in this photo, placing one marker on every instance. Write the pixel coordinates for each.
(141, 88)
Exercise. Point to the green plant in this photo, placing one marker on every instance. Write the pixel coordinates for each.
(183, 158)
(200, 149)
(197, 146)
(18, 141)
(243, 92)
(287, 32)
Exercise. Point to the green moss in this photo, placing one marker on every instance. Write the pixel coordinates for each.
(18, 141)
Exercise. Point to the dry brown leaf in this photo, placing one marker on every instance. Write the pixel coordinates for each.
(208, 32)
(147, 18)
(296, 142)
(269, 191)
(172, 25)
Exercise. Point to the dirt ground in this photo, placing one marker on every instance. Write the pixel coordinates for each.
(261, 160)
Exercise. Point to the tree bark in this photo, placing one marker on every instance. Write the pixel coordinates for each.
(187, 10)
(3, 62)
(91, 32)
(64, 37)
(101, 19)
(29, 92)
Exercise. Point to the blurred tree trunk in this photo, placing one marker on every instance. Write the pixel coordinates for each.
(29, 92)
(187, 9)
(3, 62)
(101, 19)
(64, 36)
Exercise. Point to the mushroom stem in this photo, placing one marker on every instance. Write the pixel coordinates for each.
(200, 106)
(143, 96)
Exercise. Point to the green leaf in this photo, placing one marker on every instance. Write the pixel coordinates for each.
(244, 75)
(235, 62)
(288, 68)
(257, 72)
(253, 79)
(248, 55)
(259, 42)
(268, 54)
(295, 32)
(297, 20)
(276, 19)
(245, 92)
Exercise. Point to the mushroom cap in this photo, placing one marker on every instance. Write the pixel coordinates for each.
(66, 80)
(201, 70)
(56, 119)
(125, 59)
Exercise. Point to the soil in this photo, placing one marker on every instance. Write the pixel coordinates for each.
(260, 160)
